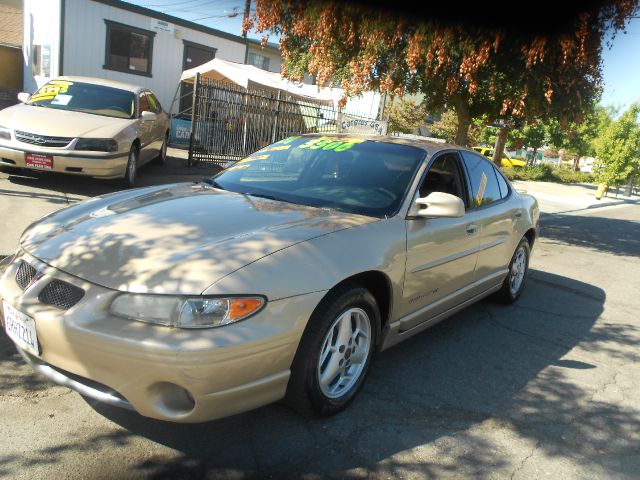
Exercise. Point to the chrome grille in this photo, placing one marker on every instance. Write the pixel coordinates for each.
(42, 140)
(25, 275)
(60, 294)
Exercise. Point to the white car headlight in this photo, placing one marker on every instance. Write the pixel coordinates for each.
(5, 133)
(181, 312)
(97, 144)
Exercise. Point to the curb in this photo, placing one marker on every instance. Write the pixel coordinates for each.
(600, 205)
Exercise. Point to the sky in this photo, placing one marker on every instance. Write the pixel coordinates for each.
(621, 68)
(620, 64)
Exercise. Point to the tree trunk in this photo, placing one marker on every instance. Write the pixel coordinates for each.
(576, 162)
(533, 158)
(501, 139)
(464, 122)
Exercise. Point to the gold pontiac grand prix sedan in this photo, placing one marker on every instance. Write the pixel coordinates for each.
(278, 278)
(85, 126)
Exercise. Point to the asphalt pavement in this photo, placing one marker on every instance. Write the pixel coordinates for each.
(546, 388)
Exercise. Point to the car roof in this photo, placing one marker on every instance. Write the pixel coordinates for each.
(427, 145)
(104, 82)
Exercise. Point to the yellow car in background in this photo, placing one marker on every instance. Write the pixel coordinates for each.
(506, 160)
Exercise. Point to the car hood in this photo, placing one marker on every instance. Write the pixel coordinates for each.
(60, 123)
(173, 239)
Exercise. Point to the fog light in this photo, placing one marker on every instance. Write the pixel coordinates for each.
(171, 400)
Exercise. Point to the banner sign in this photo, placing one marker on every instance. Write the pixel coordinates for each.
(180, 132)
(351, 124)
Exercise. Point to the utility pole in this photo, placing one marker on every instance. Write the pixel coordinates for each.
(247, 11)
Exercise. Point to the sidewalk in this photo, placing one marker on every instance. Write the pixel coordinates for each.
(569, 197)
(176, 164)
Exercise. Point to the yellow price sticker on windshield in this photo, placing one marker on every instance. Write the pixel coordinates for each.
(252, 158)
(333, 144)
(278, 148)
(50, 90)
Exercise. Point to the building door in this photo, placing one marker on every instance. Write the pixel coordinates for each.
(194, 55)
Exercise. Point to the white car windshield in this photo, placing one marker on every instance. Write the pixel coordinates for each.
(85, 97)
(346, 173)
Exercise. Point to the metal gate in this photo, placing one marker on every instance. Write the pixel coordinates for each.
(228, 122)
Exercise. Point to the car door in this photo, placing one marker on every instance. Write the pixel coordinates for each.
(498, 212)
(441, 252)
(159, 129)
(145, 131)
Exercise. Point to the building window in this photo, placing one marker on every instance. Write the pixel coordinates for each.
(128, 49)
(257, 60)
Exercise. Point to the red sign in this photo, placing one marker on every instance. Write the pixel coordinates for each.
(39, 161)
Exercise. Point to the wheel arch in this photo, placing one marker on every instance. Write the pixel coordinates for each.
(530, 235)
(379, 284)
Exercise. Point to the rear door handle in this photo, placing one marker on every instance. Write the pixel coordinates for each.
(472, 228)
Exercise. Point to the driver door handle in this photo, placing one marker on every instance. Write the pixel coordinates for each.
(471, 228)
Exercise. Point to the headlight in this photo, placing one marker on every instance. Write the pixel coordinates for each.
(5, 133)
(97, 144)
(199, 312)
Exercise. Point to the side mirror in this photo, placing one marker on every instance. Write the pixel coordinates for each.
(24, 96)
(439, 204)
(147, 115)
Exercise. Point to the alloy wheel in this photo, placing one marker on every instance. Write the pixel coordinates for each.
(344, 353)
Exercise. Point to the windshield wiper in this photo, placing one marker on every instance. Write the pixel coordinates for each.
(210, 181)
(264, 195)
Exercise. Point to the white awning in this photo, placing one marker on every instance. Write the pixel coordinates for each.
(248, 76)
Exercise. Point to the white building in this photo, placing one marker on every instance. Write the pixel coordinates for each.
(116, 40)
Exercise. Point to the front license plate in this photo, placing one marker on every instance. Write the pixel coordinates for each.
(39, 161)
(21, 329)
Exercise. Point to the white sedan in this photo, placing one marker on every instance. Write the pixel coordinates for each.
(85, 126)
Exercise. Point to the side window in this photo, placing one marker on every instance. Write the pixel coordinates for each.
(444, 175)
(144, 103)
(154, 104)
(502, 183)
(484, 184)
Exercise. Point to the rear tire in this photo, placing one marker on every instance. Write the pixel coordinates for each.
(335, 353)
(513, 284)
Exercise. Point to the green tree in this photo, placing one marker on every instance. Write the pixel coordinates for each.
(405, 116)
(577, 138)
(618, 147)
(533, 136)
(447, 129)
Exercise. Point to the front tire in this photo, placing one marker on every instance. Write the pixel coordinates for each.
(335, 353)
(162, 156)
(513, 284)
(131, 170)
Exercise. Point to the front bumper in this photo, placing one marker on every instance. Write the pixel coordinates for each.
(100, 165)
(168, 374)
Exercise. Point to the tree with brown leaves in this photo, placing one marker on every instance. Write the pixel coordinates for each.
(470, 69)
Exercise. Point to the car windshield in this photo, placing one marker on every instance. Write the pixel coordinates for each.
(85, 97)
(350, 174)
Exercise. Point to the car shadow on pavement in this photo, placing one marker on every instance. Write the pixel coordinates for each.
(419, 414)
(149, 174)
(610, 235)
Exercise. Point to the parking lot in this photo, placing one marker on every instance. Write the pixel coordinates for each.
(545, 388)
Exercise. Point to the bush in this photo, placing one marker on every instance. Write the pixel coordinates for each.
(546, 172)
